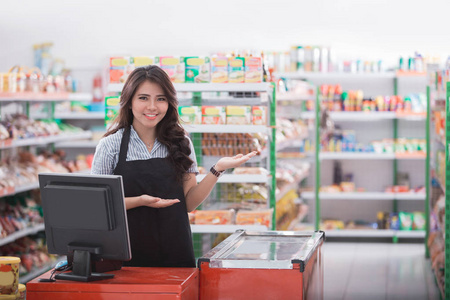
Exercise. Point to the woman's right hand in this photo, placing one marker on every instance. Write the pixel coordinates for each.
(156, 202)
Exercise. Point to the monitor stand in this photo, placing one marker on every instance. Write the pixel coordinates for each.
(82, 269)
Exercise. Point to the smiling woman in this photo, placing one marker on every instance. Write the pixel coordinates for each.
(150, 150)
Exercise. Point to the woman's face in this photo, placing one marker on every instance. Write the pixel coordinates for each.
(149, 106)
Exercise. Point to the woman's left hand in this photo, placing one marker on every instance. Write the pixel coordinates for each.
(233, 162)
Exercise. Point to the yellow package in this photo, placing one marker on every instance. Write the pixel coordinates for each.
(190, 114)
(239, 115)
(253, 69)
(236, 70)
(213, 115)
(219, 69)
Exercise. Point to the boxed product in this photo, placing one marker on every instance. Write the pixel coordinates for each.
(119, 69)
(259, 217)
(213, 115)
(239, 115)
(190, 114)
(112, 106)
(174, 67)
(219, 69)
(142, 61)
(253, 69)
(236, 70)
(259, 115)
(214, 217)
(197, 69)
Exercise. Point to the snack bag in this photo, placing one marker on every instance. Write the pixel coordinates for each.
(239, 115)
(213, 115)
(197, 69)
(406, 220)
(418, 220)
(190, 114)
(253, 69)
(174, 67)
(219, 69)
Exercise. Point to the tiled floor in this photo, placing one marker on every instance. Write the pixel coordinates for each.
(387, 271)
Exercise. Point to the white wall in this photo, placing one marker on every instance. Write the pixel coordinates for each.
(86, 32)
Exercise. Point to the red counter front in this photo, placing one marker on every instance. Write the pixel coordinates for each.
(128, 283)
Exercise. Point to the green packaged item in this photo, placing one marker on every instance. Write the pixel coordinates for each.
(406, 220)
(112, 106)
(198, 69)
(418, 220)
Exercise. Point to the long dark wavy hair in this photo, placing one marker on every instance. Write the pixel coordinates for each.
(169, 131)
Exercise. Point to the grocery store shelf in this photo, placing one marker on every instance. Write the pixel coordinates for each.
(374, 233)
(22, 233)
(225, 228)
(239, 178)
(47, 139)
(209, 87)
(26, 187)
(226, 128)
(83, 97)
(293, 97)
(363, 116)
(77, 144)
(371, 155)
(355, 155)
(81, 116)
(39, 271)
(365, 196)
(340, 75)
(42, 97)
(292, 186)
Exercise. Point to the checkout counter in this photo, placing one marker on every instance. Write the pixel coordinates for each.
(247, 265)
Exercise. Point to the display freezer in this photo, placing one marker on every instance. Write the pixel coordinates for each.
(264, 265)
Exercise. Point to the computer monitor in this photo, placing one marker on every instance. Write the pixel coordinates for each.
(85, 216)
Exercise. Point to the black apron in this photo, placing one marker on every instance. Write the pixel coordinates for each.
(159, 237)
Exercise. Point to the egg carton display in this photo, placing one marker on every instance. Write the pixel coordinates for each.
(230, 144)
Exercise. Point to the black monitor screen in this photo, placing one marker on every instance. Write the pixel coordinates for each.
(85, 212)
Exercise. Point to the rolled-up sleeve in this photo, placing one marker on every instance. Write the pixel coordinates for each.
(105, 158)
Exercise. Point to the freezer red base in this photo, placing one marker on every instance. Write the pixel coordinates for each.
(222, 283)
(128, 283)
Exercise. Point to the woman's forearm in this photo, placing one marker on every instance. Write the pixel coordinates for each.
(132, 202)
(198, 193)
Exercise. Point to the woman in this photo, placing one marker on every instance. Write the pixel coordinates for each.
(147, 146)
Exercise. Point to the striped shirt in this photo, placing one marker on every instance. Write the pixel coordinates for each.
(107, 151)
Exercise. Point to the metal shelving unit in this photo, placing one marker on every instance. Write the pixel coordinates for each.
(391, 80)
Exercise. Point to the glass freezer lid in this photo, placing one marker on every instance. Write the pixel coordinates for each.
(266, 250)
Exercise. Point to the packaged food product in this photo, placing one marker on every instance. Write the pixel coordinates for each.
(236, 70)
(119, 69)
(22, 292)
(9, 275)
(406, 220)
(394, 222)
(253, 69)
(214, 217)
(213, 115)
(112, 106)
(174, 67)
(190, 114)
(142, 61)
(219, 69)
(239, 115)
(259, 217)
(197, 69)
(259, 115)
(418, 220)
